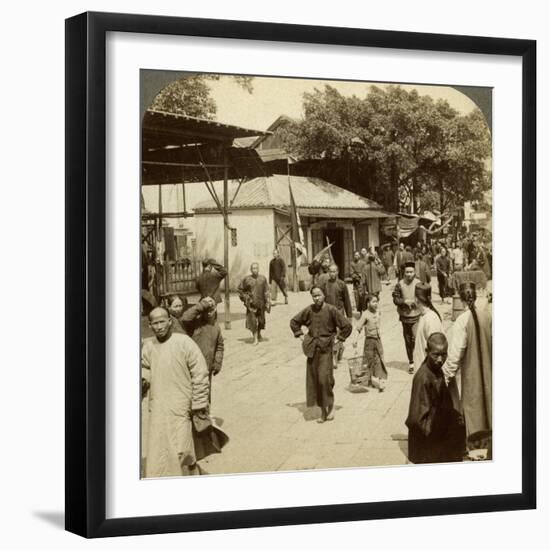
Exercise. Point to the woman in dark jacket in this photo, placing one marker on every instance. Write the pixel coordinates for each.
(177, 305)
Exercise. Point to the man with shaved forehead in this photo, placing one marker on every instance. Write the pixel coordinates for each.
(175, 372)
(436, 429)
(326, 326)
(254, 293)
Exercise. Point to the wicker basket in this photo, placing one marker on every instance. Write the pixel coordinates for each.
(358, 374)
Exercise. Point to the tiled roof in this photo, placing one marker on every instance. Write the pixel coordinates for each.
(272, 192)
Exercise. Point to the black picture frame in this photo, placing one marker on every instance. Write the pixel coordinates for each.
(86, 279)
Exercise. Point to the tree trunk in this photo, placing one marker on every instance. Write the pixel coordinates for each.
(394, 186)
(441, 201)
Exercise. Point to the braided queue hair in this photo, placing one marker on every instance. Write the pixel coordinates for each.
(431, 306)
(468, 295)
(428, 303)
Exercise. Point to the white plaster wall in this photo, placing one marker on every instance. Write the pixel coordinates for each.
(255, 240)
(374, 233)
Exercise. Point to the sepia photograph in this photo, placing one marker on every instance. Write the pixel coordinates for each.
(316, 274)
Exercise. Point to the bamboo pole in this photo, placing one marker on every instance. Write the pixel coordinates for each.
(183, 164)
(292, 243)
(162, 279)
(226, 241)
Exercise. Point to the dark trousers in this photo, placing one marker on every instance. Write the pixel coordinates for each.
(337, 352)
(409, 334)
(282, 285)
(442, 283)
(320, 380)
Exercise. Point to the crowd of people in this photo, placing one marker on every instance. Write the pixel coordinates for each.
(450, 412)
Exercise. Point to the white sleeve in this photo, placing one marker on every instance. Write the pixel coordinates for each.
(146, 361)
(457, 346)
(433, 324)
(199, 375)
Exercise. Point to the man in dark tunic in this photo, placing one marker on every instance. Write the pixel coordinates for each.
(208, 282)
(358, 280)
(336, 292)
(337, 295)
(372, 277)
(443, 269)
(199, 322)
(387, 260)
(436, 429)
(277, 273)
(254, 293)
(325, 324)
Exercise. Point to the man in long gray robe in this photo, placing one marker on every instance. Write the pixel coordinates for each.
(174, 370)
(254, 293)
(470, 354)
(372, 276)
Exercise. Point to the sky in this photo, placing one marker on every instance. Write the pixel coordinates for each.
(273, 97)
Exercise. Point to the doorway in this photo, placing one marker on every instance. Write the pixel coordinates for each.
(336, 235)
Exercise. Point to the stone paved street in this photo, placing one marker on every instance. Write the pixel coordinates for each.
(259, 399)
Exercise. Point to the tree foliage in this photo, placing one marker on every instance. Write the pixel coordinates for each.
(403, 149)
(191, 95)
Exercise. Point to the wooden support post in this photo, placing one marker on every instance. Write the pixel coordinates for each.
(294, 267)
(292, 243)
(161, 279)
(226, 241)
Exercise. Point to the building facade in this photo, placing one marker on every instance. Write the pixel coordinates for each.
(260, 219)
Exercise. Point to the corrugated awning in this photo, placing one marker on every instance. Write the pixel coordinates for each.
(161, 129)
(183, 165)
(178, 148)
(347, 213)
(335, 213)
